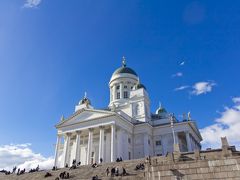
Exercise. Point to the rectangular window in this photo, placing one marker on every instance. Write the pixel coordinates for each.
(125, 94)
(118, 95)
(158, 143)
(129, 140)
(125, 87)
(129, 155)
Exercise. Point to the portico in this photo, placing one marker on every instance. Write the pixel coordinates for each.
(93, 139)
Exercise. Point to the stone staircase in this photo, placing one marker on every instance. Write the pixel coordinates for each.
(85, 172)
(210, 164)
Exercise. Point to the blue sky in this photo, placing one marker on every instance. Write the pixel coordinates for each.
(52, 51)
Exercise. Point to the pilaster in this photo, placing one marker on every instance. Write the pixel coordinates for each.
(113, 143)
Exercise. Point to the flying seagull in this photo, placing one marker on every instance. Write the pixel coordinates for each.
(182, 63)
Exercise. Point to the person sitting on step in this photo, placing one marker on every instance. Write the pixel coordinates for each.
(66, 166)
(107, 171)
(94, 165)
(113, 171)
(124, 172)
(47, 175)
(95, 178)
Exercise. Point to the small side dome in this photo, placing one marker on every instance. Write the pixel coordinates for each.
(161, 110)
(85, 100)
(139, 85)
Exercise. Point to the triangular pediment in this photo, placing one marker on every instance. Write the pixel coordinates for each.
(85, 115)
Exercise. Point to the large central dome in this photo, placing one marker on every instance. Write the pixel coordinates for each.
(124, 69)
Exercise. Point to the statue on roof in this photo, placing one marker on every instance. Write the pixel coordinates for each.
(62, 118)
(189, 116)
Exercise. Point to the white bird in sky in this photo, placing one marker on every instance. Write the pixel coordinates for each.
(182, 63)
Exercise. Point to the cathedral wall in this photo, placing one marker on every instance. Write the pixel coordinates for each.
(138, 146)
(128, 110)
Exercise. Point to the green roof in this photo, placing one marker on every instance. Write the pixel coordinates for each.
(85, 100)
(140, 86)
(125, 69)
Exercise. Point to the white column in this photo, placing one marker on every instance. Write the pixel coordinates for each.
(101, 143)
(188, 141)
(107, 156)
(176, 138)
(120, 145)
(113, 143)
(78, 139)
(114, 92)
(89, 149)
(146, 145)
(57, 149)
(121, 90)
(66, 148)
(111, 93)
(125, 145)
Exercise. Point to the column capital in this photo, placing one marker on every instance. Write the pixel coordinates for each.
(113, 124)
(78, 132)
(101, 127)
(68, 134)
(59, 135)
(90, 129)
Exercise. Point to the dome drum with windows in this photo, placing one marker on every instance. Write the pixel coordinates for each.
(123, 81)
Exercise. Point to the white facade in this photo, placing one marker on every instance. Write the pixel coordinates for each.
(125, 129)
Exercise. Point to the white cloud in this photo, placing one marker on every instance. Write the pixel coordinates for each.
(178, 74)
(31, 3)
(181, 88)
(236, 99)
(22, 156)
(202, 87)
(228, 124)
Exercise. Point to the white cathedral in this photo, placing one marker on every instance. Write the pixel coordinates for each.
(125, 129)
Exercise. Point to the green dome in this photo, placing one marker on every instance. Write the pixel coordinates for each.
(139, 86)
(125, 69)
(161, 110)
(85, 101)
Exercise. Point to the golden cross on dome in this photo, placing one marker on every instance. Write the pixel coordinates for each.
(124, 61)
